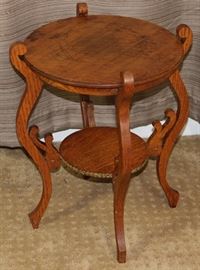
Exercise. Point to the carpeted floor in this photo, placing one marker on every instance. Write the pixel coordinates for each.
(77, 231)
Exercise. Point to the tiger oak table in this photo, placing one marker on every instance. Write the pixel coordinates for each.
(102, 56)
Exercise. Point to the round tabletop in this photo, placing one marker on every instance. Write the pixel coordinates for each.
(92, 51)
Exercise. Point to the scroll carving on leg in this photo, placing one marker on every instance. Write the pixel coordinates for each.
(156, 140)
(28, 101)
(121, 175)
(185, 35)
(48, 150)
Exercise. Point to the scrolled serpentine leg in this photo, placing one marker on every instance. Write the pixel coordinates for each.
(182, 115)
(28, 101)
(184, 34)
(121, 175)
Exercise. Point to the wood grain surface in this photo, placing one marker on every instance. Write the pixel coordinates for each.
(29, 99)
(103, 45)
(122, 172)
(93, 151)
(150, 52)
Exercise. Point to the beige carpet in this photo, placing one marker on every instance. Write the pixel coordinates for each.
(77, 233)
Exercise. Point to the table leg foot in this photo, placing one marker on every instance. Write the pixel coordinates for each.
(34, 220)
(119, 198)
(173, 198)
(120, 239)
(171, 194)
(121, 256)
(120, 187)
(36, 215)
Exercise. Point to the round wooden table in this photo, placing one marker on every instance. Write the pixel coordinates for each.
(102, 56)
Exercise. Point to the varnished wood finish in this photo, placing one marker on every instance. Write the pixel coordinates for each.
(155, 141)
(87, 107)
(182, 115)
(89, 151)
(99, 47)
(81, 9)
(184, 34)
(28, 101)
(121, 175)
(86, 55)
(80, 90)
(48, 150)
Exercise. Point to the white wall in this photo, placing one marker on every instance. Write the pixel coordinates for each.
(192, 128)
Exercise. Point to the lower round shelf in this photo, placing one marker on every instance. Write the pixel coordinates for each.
(92, 151)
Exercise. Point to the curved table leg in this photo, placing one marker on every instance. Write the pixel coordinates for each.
(121, 175)
(182, 115)
(29, 99)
